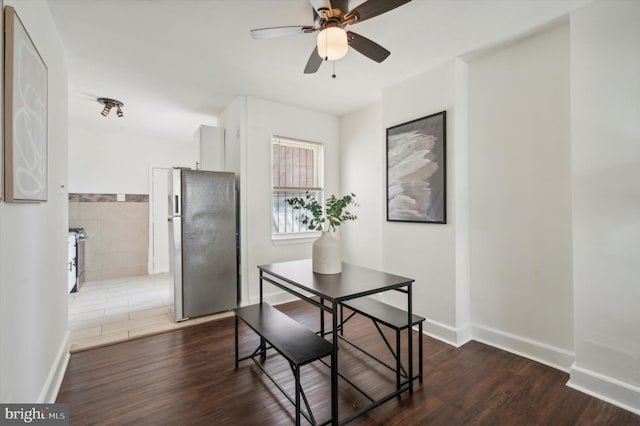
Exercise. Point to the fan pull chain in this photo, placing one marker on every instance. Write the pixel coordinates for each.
(326, 46)
(334, 70)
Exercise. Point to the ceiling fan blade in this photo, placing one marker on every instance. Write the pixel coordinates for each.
(313, 63)
(370, 9)
(275, 32)
(368, 48)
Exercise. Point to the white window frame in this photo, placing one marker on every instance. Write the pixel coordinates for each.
(299, 231)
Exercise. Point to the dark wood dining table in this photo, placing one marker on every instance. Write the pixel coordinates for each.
(328, 292)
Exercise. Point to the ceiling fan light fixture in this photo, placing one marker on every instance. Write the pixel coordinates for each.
(332, 43)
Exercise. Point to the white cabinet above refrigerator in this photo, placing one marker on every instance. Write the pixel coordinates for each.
(208, 145)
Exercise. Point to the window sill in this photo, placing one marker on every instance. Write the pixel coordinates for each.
(294, 239)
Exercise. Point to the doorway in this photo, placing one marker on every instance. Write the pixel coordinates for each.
(158, 214)
(115, 309)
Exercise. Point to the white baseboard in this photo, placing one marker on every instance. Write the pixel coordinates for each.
(464, 335)
(275, 298)
(447, 334)
(608, 389)
(52, 385)
(557, 358)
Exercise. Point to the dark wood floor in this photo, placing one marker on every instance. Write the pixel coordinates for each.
(187, 377)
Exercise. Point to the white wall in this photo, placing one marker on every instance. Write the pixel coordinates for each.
(264, 119)
(605, 124)
(548, 134)
(520, 216)
(435, 255)
(33, 247)
(234, 121)
(425, 252)
(106, 157)
(362, 172)
(461, 194)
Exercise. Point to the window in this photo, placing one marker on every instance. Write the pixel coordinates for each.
(296, 167)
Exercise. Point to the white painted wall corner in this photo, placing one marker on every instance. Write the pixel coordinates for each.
(443, 332)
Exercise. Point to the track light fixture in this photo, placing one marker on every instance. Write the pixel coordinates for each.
(110, 103)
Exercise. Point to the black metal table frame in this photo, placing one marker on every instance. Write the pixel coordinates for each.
(401, 372)
(333, 309)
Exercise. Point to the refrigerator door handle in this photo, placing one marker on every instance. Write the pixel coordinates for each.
(176, 205)
(175, 235)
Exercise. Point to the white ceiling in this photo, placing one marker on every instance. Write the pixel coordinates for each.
(176, 64)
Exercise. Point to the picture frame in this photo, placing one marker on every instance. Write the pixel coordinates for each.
(1, 97)
(25, 115)
(416, 170)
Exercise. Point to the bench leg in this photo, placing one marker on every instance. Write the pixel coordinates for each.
(236, 340)
(263, 347)
(420, 352)
(296, 373)
(398, 363)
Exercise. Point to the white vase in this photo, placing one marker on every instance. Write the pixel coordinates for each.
(327, 258)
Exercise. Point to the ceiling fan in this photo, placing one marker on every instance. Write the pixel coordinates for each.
(330, 17)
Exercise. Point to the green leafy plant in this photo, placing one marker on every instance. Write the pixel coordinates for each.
(310, 211)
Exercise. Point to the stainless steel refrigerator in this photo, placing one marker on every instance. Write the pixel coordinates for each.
(203, 241)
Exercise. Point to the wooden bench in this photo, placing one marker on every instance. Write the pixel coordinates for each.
(392, 317)
(295, 342)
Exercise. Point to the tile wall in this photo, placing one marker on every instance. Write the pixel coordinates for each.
(118, 233)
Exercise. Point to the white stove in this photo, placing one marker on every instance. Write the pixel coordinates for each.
(77, 236)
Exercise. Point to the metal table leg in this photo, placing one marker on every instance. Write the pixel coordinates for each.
(409, 332)
(322, 318)
(334, 364)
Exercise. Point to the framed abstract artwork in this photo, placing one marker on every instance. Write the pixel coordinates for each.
(416, 170)
(1, 96)
(25, 115)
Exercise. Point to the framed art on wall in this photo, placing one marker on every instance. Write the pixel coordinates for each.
(416, 170)
(1, 95)
(25, 115)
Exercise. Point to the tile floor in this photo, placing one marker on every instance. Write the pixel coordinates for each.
(110, 311)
